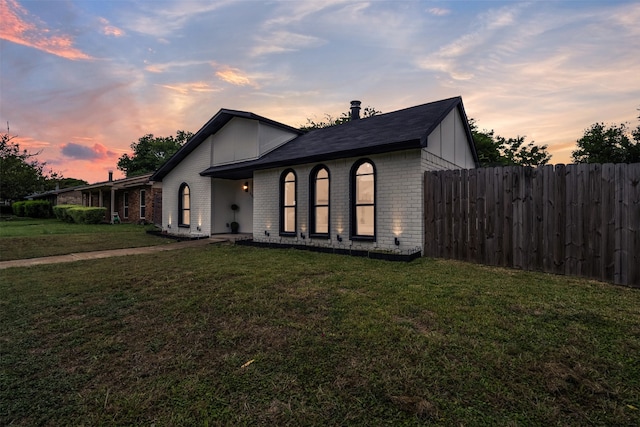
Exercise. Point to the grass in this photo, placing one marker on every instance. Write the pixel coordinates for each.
(232, 335)
(22, 238)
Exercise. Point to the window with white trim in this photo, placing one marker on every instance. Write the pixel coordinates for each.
(184, 206)
(288, 214)
(363, 200)
(319, 202)
(143, 204)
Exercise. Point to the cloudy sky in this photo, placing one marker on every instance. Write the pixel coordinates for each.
(81, 80)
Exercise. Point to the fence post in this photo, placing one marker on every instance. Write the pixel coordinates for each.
(634, 225)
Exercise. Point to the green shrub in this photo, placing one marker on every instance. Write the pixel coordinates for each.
(62, 212)
(87, 215)
(38, 209)
(18, 208)
(32, 209)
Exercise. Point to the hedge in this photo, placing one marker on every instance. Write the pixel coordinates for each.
(32, 209)
(61, 212)
(80, 214)
(87, 215)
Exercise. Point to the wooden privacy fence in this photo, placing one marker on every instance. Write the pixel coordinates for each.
(581, 220)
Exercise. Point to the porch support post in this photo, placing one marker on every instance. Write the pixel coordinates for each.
(113, 205)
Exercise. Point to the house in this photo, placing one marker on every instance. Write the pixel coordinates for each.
(354, 186)
(137, 199)
(60, 196)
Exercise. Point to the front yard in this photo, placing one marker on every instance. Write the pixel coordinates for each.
(22, 238)
(231, 335)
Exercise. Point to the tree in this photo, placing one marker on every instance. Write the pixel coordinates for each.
(20, 173)
(608, 144)
(150, 152)
(331, 121)
(61, 182)
(495, 150)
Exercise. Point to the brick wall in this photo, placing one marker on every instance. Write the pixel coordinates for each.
(69, 198)
(398, 203)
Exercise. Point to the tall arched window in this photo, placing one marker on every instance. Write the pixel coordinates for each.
(184, 206)
(319, 202)
(363, 200)
(288, 203)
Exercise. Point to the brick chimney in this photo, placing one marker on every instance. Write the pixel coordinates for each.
(355, 110)
(110, 176)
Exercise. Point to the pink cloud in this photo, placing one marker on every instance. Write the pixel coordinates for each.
(82, 152)
(234, 76)
(186, 88)
(19, 27)
(110, 30)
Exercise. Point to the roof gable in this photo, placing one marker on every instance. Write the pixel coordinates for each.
(217, 122)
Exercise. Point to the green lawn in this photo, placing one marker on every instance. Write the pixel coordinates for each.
(233, 335)
(22, 238)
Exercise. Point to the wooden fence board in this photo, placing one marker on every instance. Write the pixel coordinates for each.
(548, 215)
(472, 252)
(559, 220)
(583, 215)
(448, 220)
(457, 217)
(481, 209)
(634, 224)
(621, 259)
(608, 221)
(497, 217)
(427, 214)
(570, 212)
(463, 234)
(507, 217)
(595, 232)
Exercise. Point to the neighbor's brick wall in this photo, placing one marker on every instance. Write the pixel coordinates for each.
(134, 203)
(69, 198)
(398, 202)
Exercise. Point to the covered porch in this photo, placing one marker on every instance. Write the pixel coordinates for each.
(231, 201)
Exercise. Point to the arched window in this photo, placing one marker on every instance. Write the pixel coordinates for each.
(288, 203)
(363, 201)
(319, 202)
(184, 206)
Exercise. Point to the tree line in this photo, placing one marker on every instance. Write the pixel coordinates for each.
(599, 144)
(21, 174)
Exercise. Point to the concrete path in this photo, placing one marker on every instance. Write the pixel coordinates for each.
(112, 253)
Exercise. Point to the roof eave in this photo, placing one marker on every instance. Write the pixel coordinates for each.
(245, 171)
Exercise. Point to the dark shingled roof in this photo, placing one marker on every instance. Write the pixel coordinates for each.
(398, 130)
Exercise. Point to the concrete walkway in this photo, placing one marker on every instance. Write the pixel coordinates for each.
(117, 252)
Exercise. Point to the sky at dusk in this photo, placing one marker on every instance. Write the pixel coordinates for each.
(82, 80)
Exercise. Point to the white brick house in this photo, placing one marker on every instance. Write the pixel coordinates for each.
(354, 186)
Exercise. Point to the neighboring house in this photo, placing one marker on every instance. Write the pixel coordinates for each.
(137, 199)
(60, 196)
(357, 185)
